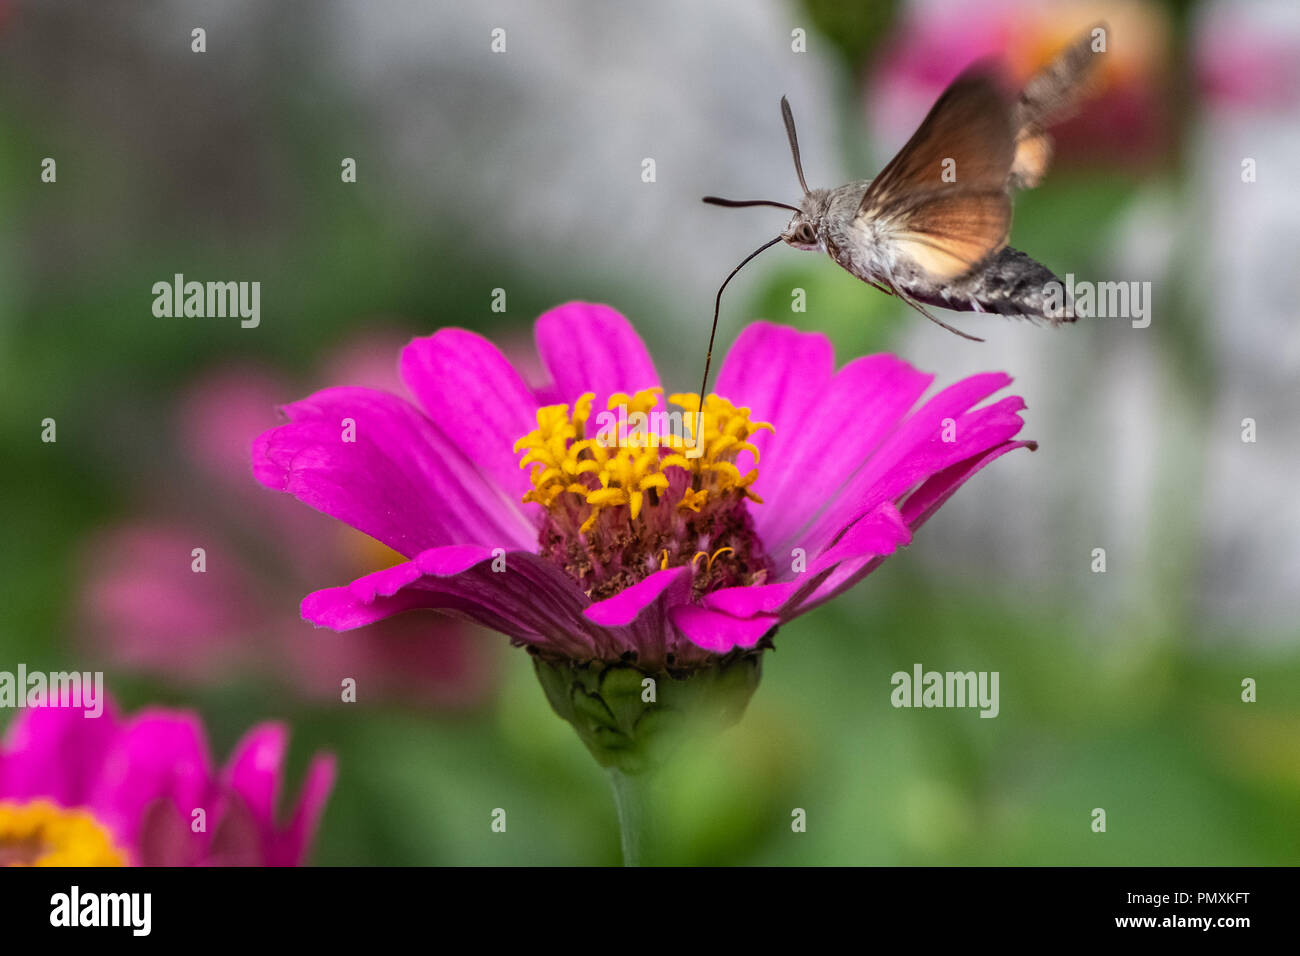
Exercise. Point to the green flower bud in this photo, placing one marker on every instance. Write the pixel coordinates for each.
(631, 719)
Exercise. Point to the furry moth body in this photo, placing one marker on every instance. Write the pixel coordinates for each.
(1005, 282)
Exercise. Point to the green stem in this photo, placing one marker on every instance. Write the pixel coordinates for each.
(633, 814)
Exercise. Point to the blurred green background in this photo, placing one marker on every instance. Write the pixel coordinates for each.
(522, 171)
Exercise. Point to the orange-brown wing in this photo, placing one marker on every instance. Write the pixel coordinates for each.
(1051, 95)
(943, 200)
(949, 235)
(1033, 156)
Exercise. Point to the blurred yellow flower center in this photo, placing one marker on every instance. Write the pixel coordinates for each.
(635, 488)
(39, 833)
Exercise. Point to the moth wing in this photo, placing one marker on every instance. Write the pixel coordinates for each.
(1033, 155)
(943, 200)
(1052, 94)
(951, 235)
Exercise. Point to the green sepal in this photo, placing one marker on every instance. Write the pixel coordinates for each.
(605, 702)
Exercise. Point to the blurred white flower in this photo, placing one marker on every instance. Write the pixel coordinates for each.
(1247, 256)
(536, 153)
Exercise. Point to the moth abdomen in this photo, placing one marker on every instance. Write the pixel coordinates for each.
(1009, 283)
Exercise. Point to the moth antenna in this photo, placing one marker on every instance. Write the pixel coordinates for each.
(794, 141)
(736, 203)
(717, 305)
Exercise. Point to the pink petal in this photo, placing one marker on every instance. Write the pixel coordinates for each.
(718, 632)
(532, 600)
(159, 754)
(254, 770)
(919, 506)
(638, 616)
(914, 451)
(875, 535)
(592, 348)
(863, 404)
(55, 752)
(752, 600)
(925, 501)
(254, 773)
(291, 848)
(236, 839)
(478, 400)
(781, 375)
(624, 607)
(165, 838)
(401, 481)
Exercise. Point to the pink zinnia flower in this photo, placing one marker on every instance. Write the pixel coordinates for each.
(646, 556)
(106, 791)
(144, 606)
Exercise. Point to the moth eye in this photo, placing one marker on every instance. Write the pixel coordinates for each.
(806, 235)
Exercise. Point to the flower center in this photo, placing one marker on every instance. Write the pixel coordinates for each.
(42, 834)
(634, 489)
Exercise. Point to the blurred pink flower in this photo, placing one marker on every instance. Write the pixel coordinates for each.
(146, 607)
(104, 791)
(1123, 121)
(1249, 59)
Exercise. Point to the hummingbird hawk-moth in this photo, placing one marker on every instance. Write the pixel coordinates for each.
(932, 227)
